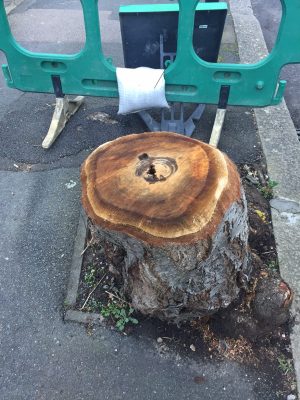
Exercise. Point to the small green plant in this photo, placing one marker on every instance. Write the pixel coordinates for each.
(93, 305)
(90, 276)
(273, 265)
(285, 365)
(66, 303)
(267, 190)
(120, 313)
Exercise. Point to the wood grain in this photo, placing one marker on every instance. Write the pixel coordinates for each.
(159, 187)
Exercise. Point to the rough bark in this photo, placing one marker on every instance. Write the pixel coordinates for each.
(172, 216)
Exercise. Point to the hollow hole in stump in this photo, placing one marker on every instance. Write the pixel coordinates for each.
(143, 156)
(152, 171)
(151, 175)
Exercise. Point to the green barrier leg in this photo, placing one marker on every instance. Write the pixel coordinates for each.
(64, 109)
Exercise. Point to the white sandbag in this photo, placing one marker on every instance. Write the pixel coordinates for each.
(140, 89)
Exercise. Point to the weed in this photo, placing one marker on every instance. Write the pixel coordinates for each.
(273, 265)
(267, 190)
(285, 365)
(93, 305)
(90, 276)
(120, 313)
(66, 303)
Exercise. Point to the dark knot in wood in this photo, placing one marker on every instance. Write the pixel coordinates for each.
(155, 169)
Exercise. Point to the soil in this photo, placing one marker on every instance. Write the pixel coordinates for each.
(232, 334)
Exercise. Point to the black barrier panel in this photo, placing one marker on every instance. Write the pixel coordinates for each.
(150, 37)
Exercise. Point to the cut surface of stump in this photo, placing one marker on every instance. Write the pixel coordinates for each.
(172, 211)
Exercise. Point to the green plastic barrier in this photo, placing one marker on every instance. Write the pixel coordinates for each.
(188, 79)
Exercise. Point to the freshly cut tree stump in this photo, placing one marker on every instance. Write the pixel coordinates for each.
(171, 213)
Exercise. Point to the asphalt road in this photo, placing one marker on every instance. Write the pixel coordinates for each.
(269, 15)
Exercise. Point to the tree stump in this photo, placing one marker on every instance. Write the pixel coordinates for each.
(171, 213)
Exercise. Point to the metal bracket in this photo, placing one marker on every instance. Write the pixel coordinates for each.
(164, 56)
(64, 109)
(178, 125)
(172, 124)
(220, 115)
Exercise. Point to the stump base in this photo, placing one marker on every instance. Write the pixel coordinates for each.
(172, 212)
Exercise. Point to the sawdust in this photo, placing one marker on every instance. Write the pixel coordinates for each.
(102, 117)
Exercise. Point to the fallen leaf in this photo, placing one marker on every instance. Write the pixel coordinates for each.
(261, 215)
